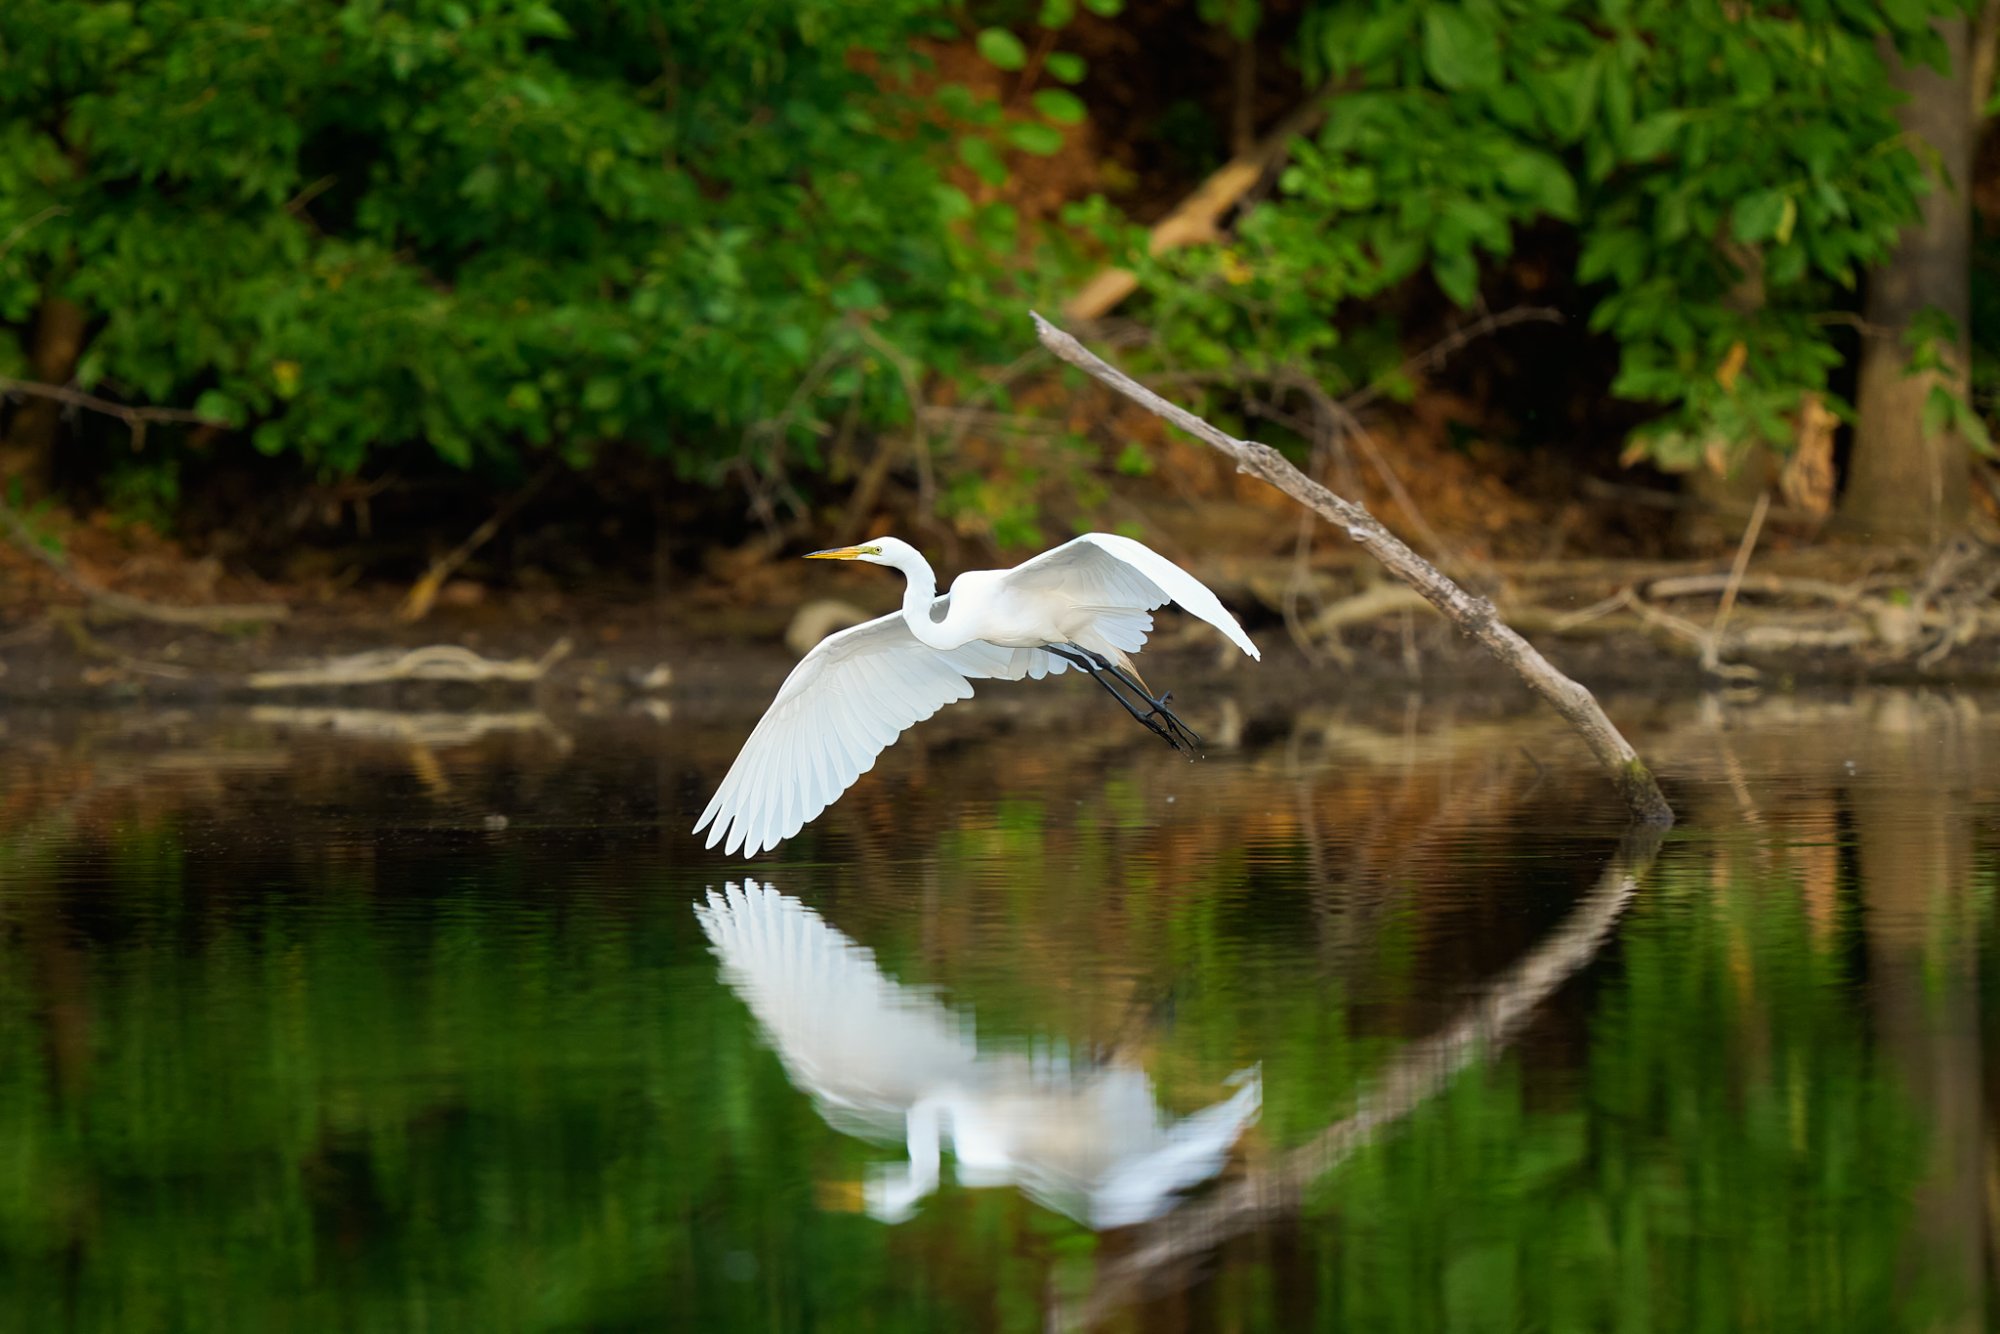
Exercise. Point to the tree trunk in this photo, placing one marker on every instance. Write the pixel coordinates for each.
(1905, 483)
(27, 453)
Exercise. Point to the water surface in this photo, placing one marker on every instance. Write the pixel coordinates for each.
(373, 1021)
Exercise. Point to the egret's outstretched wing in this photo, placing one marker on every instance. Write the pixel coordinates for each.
(862, 1046)
(1117, 574)
(856, 692)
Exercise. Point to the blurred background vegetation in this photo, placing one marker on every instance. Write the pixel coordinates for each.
(285, 273)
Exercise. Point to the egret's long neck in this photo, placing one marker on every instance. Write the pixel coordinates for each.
(917, 598)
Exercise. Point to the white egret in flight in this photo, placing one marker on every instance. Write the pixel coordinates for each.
(888, 1063)
(1086, 604)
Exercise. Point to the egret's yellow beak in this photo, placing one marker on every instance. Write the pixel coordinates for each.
(837, 553)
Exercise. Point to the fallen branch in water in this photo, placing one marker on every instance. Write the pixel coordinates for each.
(434, 662)
(1475, 616)
(426, 729)
(213, 616)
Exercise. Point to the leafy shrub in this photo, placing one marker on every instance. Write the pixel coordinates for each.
(1730, 170)
(493, 227)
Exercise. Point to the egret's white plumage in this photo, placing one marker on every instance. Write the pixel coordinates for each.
(888, 1063)
(858, 690)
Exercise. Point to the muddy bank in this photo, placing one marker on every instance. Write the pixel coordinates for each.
(1329, 626)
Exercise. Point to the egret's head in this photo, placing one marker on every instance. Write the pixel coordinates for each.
(879, 551)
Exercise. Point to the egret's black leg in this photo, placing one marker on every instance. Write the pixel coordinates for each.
(1078, 658)
(1159, 705)
(1169, 728)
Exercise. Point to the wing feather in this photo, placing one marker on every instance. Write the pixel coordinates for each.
(1115, 573)
(845, 702)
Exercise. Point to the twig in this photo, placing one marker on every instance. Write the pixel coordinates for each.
(1371, 602)
(28, 225)
(135, 419)
(1564, 624)
(423, 593)
(1769, 585)
(123, 604)
(1711, 649)
(1474, 616)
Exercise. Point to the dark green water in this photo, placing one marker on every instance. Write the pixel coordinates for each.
(413, 1025)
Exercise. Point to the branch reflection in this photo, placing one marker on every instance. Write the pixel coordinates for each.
(1164, 1255)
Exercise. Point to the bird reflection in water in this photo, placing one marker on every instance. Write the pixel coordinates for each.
(889, 1063)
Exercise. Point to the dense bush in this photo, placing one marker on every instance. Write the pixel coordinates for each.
(493, 226)
(492, 229)
(1730, 169)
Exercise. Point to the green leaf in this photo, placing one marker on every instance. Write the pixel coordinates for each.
(1061, 107)
(544, 21)
(1041, 140)
(220, 407)
(1654, 135)
(1105, 9)
(1758, 215)
(1787, 221)
(1056, 13)
(857, 293)
(1542, 180)
(953, 204)
(1470, 220)
(1457, 274)
(1001, 49)
(1066, 66)
(1568, 95)
(1460, 50)
(1380, 35)
(984, 159)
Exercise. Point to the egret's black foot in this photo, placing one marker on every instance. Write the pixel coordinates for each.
(1188, 739)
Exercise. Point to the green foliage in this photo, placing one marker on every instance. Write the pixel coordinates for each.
(1728, 169)
(497, 226)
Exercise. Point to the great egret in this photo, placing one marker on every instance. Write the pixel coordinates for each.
(888, 1063)
(1085, 604)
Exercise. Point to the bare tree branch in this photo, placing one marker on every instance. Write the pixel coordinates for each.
(1474, 616)
(136, 419)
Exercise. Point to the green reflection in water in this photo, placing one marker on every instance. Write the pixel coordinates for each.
(497, 1084)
